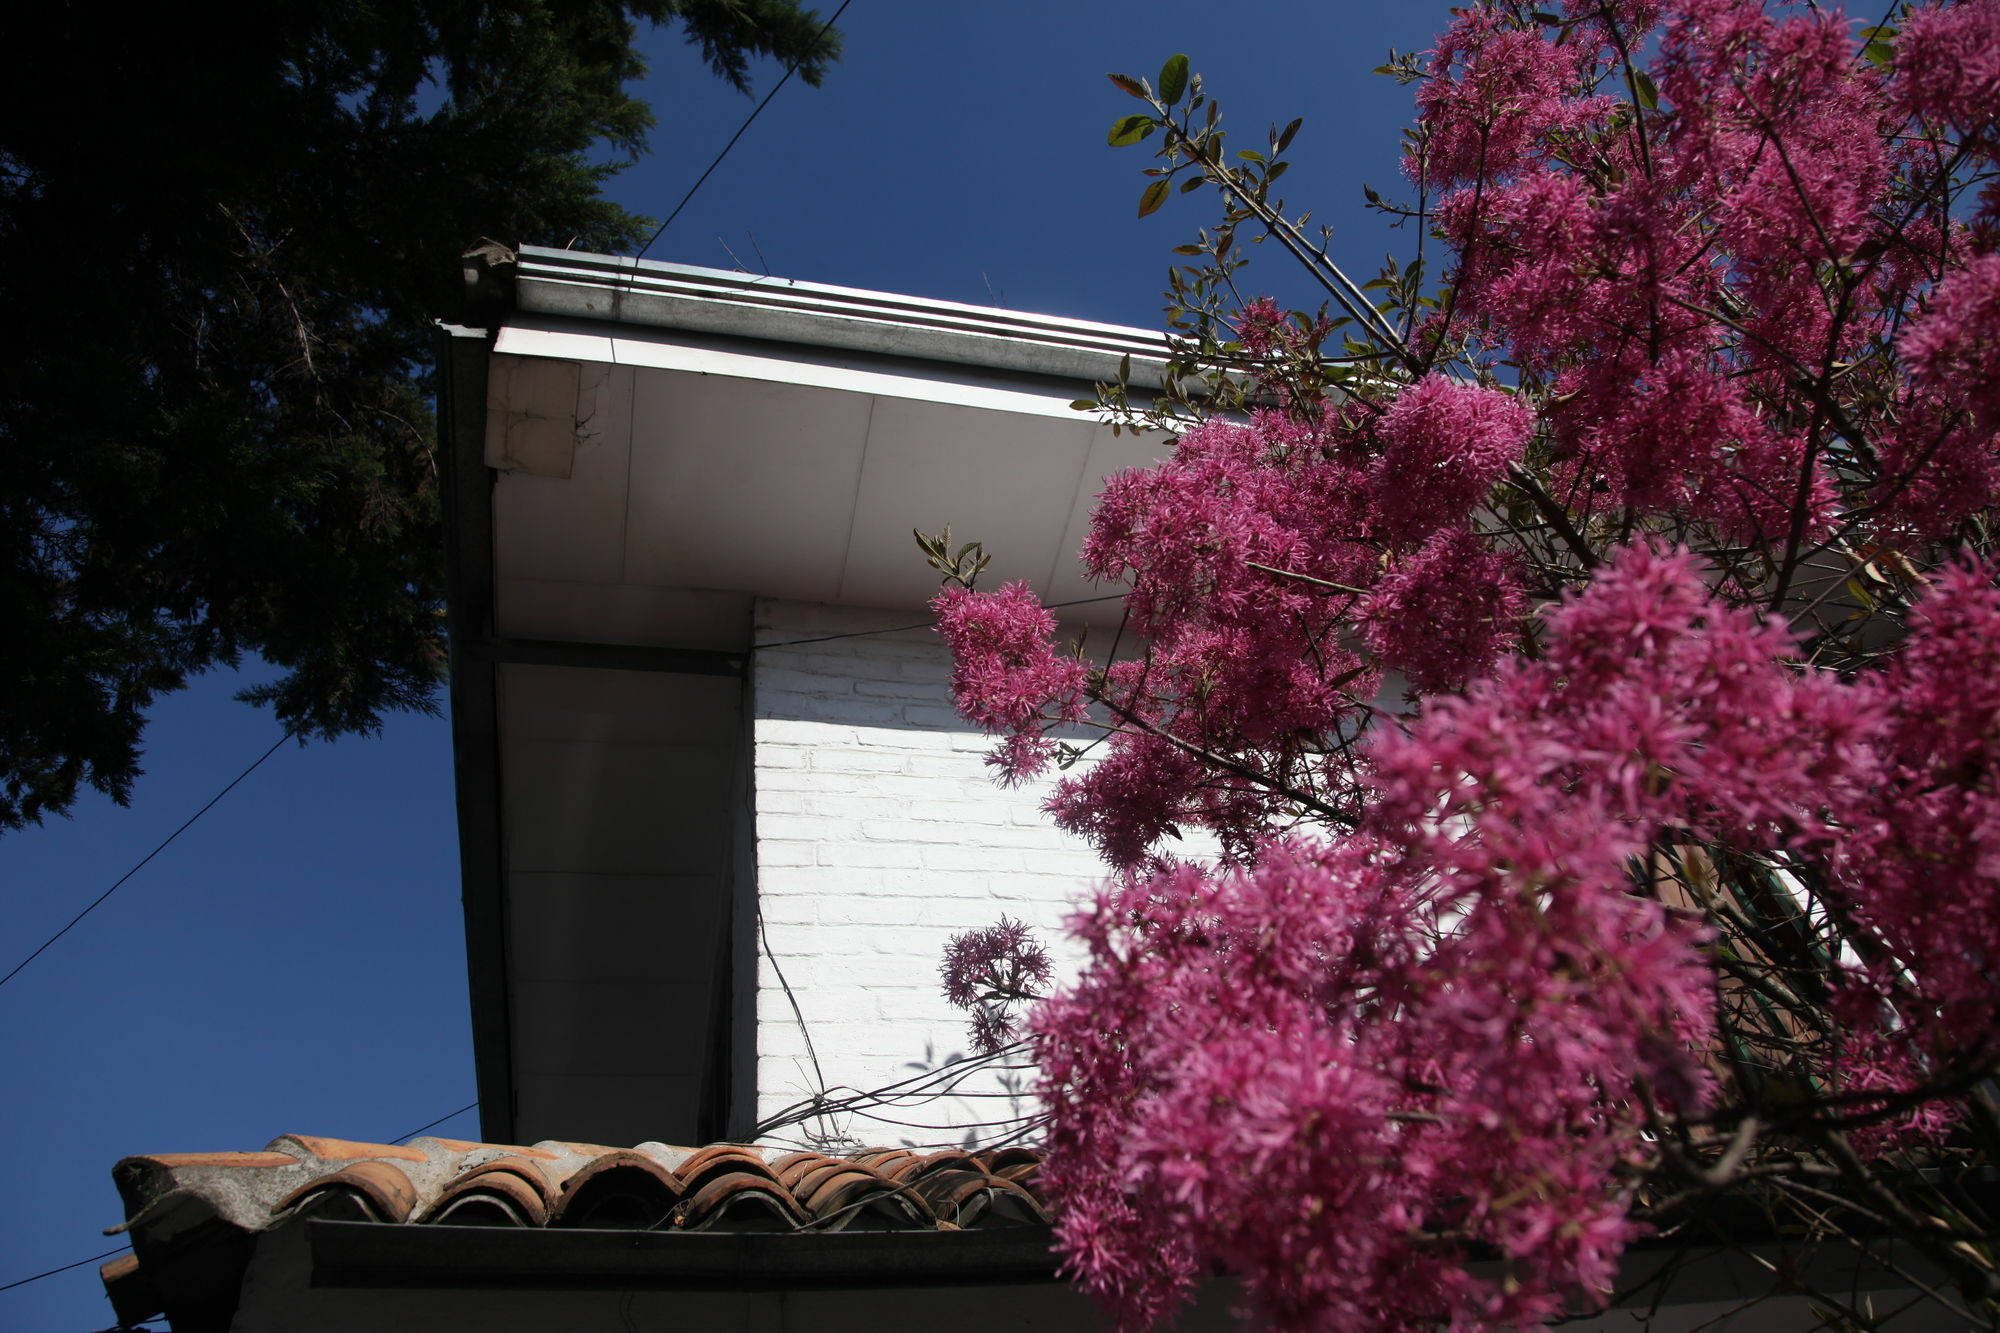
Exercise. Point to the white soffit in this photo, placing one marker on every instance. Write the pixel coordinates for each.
(778, 470)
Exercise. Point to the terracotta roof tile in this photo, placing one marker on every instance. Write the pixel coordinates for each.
(177, 1159)
(341, 1150)
(529, 1172)
(466, 1145)
(382, 1187)
(178, 1203)
(740, 1201)
(618, 1189)
(491, 1195)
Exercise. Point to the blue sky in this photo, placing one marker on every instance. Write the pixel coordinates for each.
(295, 962)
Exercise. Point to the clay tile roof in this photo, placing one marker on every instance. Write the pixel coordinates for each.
(723, 1159)
(491, 1195)
(344, 1150)
(619, 1189)
(182, 1209)
(379, 1188)
(177, 1159)
(844, 1195)
(530, 1174)
(463, 1145)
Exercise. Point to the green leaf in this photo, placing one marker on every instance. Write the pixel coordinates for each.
(1083, 405)
(1249, 155)
(1173, 79)
(1130, 130)
(1643, 91)
(1880, 54)
(1128, 83)
(1155, 195)
(1285, 135)
(1193, 183)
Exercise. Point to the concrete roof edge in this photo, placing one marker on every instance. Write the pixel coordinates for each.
(622, 290)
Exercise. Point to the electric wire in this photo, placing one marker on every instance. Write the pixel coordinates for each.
(22, 1282)
(471, 1105)
(164, 844)
(747, 123)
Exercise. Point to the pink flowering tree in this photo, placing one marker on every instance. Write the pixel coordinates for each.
(1582, 645)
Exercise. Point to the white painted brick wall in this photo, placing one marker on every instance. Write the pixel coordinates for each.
(880, 833)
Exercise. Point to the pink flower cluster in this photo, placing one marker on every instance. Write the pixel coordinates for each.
(1495, 94)
(1442, 614)
(1445, 446)
(1918, 851)
(1948, 65)
(1464, 963)
(1286, 1070)
(989, 973)
(1007, 676)
(1338, 1071)
(1688, 288)
(1245, 553)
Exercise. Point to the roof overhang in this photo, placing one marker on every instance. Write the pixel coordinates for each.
(665, 437)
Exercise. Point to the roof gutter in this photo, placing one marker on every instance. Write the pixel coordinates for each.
(573, 285)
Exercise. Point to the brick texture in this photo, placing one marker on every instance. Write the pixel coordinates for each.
(879, 833)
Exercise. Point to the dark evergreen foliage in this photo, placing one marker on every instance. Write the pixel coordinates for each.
(226, 229)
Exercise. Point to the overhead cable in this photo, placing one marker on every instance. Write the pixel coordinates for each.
(748, 121)
(439, 1121)
(22, 1282)
(163, 845)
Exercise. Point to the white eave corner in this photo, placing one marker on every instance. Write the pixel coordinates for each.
(615, 289)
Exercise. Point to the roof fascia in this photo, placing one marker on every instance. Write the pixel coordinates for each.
(463, 357)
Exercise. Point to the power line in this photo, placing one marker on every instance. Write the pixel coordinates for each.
(164, 843)
(65, 1268)
(439, 1121)
(750, 120)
